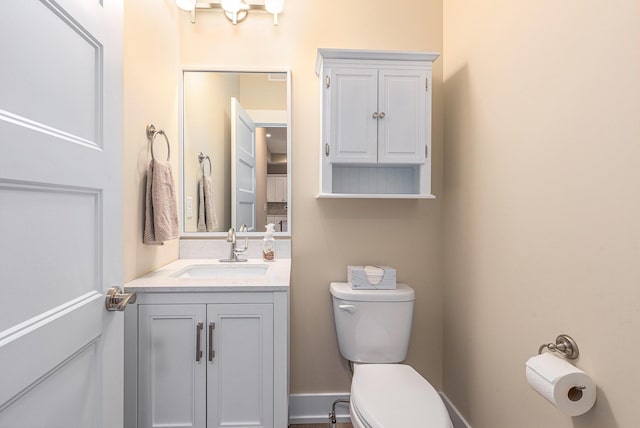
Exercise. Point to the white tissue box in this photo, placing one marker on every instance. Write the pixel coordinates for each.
(371, 277)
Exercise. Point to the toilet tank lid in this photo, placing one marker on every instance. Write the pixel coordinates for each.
(342, 290)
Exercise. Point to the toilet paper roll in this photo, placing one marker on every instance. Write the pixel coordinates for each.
(562, 384)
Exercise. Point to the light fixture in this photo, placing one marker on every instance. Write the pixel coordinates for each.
(187, 5)
(235, 10)
(274, 7)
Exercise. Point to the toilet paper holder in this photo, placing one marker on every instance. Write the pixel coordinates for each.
(565, 345)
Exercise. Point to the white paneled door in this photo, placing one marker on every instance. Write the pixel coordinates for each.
(60, 213)
(243, 168)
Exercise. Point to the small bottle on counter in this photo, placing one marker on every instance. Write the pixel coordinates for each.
(269, 244)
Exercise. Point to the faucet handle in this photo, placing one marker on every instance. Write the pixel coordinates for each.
(231, 235)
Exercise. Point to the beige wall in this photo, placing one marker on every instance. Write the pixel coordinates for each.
(542, 204)
(330, 234)
(151, 60)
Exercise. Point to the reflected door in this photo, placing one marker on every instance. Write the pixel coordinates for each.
(60, 213)
(243, 168)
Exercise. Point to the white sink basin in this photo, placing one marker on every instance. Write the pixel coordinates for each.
(221, 271)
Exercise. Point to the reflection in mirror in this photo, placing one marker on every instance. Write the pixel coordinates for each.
(235, 151)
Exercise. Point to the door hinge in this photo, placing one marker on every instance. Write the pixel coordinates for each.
(327, 80)
(426, 84)
(426, 151)
(326, 149)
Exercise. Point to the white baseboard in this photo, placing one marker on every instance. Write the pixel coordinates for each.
(456, 418)
(315, 408)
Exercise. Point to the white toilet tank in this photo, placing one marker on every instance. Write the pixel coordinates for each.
(373, 326)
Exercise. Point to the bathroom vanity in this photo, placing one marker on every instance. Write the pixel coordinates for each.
(206, 345)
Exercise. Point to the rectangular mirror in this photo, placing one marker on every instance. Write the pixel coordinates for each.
(235, 151)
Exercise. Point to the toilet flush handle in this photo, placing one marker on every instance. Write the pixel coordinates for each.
(349, 308)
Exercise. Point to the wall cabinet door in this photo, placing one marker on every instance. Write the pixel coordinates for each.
(276, 188)
(281, 188)
(378, 116)
(271, 189)
(171, 375)
(240, 365)
(353, 106)
(403, 125)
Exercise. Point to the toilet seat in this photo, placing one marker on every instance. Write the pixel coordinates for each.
(395, 396)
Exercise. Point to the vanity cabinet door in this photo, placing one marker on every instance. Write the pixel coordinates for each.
(240, 383)
(171, 371)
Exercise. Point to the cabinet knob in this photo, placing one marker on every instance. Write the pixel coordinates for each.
(375, 115)
(381, 115)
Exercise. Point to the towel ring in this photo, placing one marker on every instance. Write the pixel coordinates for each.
(201, 158)
(151, 135)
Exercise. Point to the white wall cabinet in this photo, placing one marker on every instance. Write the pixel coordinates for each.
(277, 188)
(208, 360)
(376, 123)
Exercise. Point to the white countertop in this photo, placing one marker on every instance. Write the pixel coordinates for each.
(161, 280)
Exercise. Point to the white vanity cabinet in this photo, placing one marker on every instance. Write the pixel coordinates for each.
(376, 123)
(207, 360)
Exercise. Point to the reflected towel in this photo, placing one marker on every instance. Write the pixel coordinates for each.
(161, 211)
(207, 219)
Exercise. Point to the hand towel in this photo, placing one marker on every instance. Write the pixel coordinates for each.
(207, 219)
(202, 226)
(161, 211)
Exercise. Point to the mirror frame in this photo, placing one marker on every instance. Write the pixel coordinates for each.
(225, 69)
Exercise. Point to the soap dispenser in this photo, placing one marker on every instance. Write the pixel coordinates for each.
(269, 244)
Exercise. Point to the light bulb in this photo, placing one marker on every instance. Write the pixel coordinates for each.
(187, 5)
(231, 6)
(274, 6)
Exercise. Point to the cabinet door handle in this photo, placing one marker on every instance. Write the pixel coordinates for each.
(375, 115)
(381, 115)
(199, 328)
(212, 353)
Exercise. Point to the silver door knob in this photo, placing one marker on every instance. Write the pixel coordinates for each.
(117, 299)
(375, 115)
(381, 115)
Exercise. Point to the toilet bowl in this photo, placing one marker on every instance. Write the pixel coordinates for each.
(373, 329)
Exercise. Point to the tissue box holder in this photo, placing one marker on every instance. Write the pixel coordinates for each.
(357, 278)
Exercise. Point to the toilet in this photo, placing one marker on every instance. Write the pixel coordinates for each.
(373, 329)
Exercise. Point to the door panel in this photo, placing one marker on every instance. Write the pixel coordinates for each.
(243, 174)
(60, 212)
(240, 377)
(67, 389)
(75, 237)
(354, 101)
(68, 71)
(402, 132)
(171, 381)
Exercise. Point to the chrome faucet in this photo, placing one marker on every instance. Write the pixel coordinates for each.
(235, 251)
